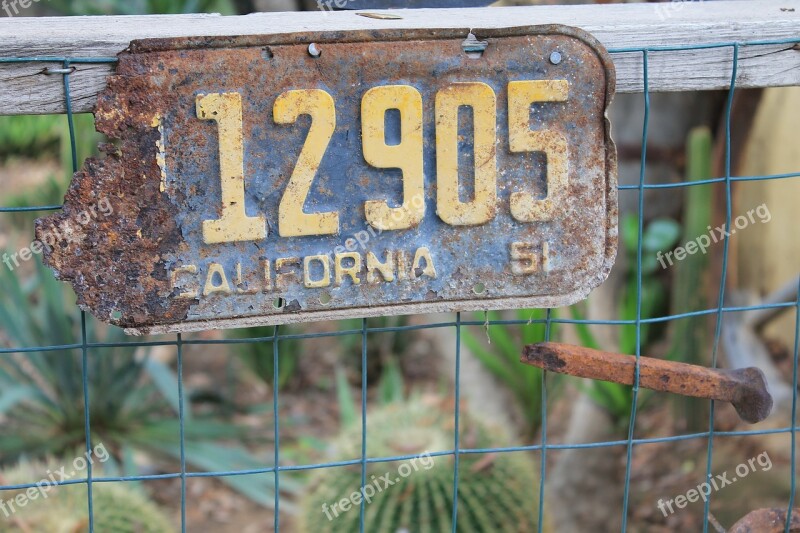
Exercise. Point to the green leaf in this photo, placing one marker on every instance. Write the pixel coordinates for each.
(494, 363)
(661, 234)
(347, 407)
(211, 457)
(533, 332)
(650, 263)
(500, 336)
(391, 388)
(585, 334)
(11, 397)
(612, 397)
(167, 384)
(627, 333)
(629, 232)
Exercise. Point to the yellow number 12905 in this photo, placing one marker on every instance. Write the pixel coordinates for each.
(234, 224)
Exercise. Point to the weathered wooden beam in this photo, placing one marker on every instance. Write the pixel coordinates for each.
(25, 89)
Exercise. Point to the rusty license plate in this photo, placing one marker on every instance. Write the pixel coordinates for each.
(274, 179)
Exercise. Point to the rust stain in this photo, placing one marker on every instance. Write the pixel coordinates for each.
(117, 265)
(767, 521)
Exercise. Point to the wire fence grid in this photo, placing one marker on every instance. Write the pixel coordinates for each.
(276, 469)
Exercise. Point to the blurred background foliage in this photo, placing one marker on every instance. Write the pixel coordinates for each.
(40, 145)
(141, 7)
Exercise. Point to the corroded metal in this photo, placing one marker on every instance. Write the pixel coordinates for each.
(744, 388)
(768, 521)
(328, 225)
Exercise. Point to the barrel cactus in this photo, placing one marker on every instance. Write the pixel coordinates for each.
(118, 507)
(496, 492)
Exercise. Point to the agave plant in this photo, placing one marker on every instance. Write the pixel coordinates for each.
(133, 398)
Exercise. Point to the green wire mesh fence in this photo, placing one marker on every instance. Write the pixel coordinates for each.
(278, 470)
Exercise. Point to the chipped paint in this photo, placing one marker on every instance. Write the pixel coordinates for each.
(161, 154)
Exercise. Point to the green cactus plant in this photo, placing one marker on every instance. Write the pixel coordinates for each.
(120, 507)
(496, 492)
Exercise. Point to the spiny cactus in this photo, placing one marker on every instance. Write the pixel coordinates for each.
(117, 507)
(497, 492)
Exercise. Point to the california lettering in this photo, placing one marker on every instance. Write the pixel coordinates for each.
(313, 271)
